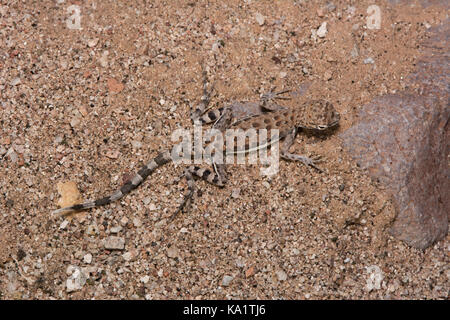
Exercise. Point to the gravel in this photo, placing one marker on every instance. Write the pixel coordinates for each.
(86, 110)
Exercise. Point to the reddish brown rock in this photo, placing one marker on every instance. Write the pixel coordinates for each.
(403, 140)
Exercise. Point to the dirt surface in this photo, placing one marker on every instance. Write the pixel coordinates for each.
(89, 106)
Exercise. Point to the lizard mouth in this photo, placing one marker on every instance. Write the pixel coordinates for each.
(324, 127)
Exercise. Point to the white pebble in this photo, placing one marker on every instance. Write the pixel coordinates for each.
(259, 18)
(322, 31)
(128, 256)
(115, 230)
(282, 276)
(226, 280)
(16, 82)
(76, 280)
(64, 224)
(92, 43)
(104, 59)
(375, 278)
(87, 258)
(136, 144)
(124, 221)
(114, 243)
(137, 222)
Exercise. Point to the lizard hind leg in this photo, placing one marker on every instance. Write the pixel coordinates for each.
(213, 177)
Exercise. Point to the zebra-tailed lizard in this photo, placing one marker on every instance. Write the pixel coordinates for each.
(317, 115)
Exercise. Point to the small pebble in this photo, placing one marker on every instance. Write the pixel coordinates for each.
(259, 18)
(115, 230)
(282, 276)
(322, 31)
(235, 193)
(92, 230)
(112, 154)
(250, 272)
(69, 193)
(104, 59)
(114, 243)
(331, 7)
(16, 82)
(128, 256)
(64, 224)
(136, 144)
(184, 230)
(144, 279)
(124, 221)
(172, 252)
(76, 280)
(355, 52)
(137, 222)
(75, 122)
(147, 200)
(12, 155)
(226, 280)
(92, 43)
(369, 60)
(87, 258)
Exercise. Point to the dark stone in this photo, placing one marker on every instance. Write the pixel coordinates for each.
(404, 140)
(21, 254)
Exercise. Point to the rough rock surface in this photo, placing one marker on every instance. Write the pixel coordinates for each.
(403, 140)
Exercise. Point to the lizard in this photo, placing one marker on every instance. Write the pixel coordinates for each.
(317, 115)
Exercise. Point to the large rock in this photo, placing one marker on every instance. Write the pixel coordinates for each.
(403, 140)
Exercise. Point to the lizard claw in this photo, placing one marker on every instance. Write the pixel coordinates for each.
(313, 161)
(184, 205)
(272, 95)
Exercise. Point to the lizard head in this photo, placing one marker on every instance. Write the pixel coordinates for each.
(319, 115)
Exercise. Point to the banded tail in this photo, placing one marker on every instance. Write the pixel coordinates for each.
(141, 175)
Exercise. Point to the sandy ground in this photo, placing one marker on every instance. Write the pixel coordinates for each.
(91, 105)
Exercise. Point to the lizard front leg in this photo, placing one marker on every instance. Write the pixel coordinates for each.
(287, 143)
(268, 98)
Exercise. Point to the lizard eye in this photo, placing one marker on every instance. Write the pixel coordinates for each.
(322, 127)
